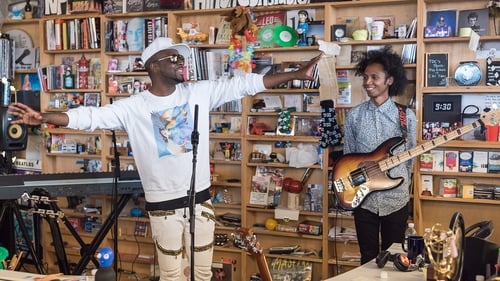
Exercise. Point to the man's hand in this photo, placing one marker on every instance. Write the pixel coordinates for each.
(306, 71)
(26, 115)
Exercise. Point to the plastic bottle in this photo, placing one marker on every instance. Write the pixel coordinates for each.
(68, 79)
(28, 10)
(410, 231)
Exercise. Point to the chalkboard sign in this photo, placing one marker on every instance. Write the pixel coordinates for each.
(436, 69)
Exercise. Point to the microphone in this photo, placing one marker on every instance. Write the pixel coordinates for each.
(195, 134)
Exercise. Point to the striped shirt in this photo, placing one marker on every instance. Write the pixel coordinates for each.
(368, 126)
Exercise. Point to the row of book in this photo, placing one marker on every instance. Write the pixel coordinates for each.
(73, 34)
(134, 34)
(51, 77)
(460, 161)
(451, 188)
(208, 64)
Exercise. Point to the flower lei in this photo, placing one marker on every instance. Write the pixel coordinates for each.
(241, 47)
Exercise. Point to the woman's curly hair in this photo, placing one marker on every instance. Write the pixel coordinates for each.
(392, 65)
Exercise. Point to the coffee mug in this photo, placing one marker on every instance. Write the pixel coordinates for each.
(377, 29)
(415, 247)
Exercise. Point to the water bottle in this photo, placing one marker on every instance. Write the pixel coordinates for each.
(410, 231)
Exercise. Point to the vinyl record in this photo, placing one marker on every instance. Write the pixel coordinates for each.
(285, 36)
(265, 35)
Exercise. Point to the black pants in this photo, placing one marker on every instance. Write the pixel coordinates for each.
(368, 226)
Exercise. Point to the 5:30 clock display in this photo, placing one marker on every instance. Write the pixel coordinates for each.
(443, 106)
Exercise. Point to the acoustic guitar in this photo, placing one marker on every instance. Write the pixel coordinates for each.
(245, 239)
(356, 175)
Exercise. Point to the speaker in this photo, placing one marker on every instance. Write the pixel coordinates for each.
(12, 136)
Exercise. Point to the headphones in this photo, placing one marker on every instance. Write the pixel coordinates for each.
(481, 229)
(400, 261)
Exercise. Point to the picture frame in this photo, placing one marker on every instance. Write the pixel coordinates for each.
(389, 25)
(316, 32)
(91, 99)
(441, 23)
(476, 19)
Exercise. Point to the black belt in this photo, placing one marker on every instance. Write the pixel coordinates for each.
(182, 202)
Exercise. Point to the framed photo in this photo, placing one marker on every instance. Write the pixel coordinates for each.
(91, 99)
(113, 65)
(316, 29)
(442, 23)
(389, 25)
(476, 19)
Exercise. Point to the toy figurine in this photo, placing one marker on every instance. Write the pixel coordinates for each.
(105, 258)
(303, 27)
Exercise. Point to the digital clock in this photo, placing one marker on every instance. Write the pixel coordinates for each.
(443, 106)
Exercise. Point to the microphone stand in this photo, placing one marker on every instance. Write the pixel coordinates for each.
(191, 193)
(114, 197)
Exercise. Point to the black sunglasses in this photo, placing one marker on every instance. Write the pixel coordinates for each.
(172, 58)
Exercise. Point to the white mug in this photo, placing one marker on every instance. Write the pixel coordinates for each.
(377, 29)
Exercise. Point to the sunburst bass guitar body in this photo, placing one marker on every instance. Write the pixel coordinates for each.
(363, 174)
(356, 175)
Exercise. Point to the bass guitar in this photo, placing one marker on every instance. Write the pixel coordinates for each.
(356, 175)
(244, 238)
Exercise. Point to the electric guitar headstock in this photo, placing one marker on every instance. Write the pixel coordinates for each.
(245, 239)
(491, 117)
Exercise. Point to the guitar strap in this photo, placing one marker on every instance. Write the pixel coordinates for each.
(402, 119)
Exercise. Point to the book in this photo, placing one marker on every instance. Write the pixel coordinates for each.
(438, 160)
(259, 190)
(451, 161)
(494, 162)
(223, 269)
(224, 32)
(112, 85)
(134, 6)
(312, 102)
(465, 162)
(283, 269)
(135, 34)
(152, 5)
(480, 162)
(467, 191)
(276, 176)
(427, 184)
(426, 162)
(448, 187)
(113, 7)
(270, 18)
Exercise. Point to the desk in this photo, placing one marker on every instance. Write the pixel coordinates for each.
(24, 276)
(369, 271)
